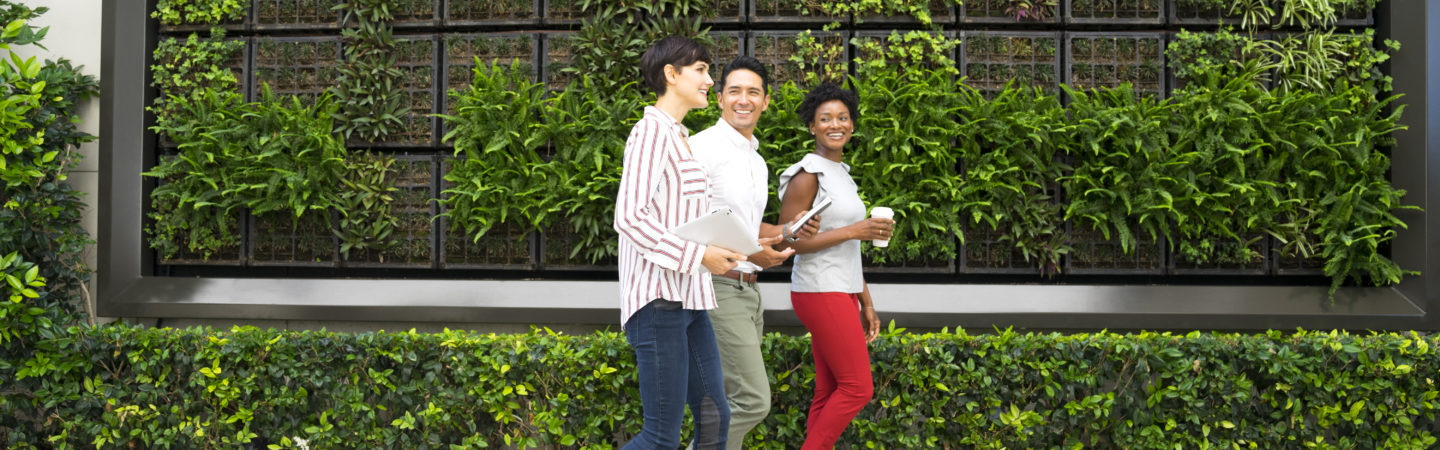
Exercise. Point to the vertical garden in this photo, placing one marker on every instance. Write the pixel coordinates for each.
(1039, 140)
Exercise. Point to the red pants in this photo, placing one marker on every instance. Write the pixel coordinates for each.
(843, 384)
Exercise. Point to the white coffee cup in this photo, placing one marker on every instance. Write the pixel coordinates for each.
(881, 212)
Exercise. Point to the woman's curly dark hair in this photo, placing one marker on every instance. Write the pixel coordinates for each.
(826, 92)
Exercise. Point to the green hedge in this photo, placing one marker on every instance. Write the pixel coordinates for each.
(128, 387)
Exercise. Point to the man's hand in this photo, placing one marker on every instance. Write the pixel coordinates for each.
(768, 257)
(719, 260)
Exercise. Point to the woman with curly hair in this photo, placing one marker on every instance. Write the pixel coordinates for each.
(827, 289)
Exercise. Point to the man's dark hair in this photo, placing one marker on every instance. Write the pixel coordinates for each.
(749, 63)
(679, 51)
(826, 92)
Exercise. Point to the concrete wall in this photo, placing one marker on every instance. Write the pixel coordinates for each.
(75, 35)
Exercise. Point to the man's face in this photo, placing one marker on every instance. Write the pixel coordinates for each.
(742, 100)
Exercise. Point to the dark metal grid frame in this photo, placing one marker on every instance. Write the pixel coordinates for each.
(128, 287)
(498, 249)
(412, 14)
(992, 12)
(306, 76)
(984, 253)
(774, 48)
(556, 52)
(1192, 15)
(320, 15)
(942, 12)
(459, 55)
(1008, 61)
(1115, 12)
(728, 45)
(1174, 84)
(882, 36)
(1179, 266)
(1147, 257)
(783, 12)
(463, 16)
(245, 24)
(1106, 71)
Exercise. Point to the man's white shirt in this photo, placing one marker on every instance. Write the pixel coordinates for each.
(739, 179)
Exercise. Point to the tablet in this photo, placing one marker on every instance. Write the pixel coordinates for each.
(721, 228)
(814, 209)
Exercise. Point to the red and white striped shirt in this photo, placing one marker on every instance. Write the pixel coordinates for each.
(661, 187)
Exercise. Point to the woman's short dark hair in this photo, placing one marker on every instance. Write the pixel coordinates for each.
(826, 92)
(749, 63)
(679, 51)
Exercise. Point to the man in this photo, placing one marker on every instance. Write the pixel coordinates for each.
(739, 180)
(665, 287)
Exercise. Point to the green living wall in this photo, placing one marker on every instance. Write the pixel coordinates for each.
(1034, 139)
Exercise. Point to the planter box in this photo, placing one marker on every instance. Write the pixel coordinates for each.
(505, 246)
(502, 48)
(240, 65)
(277, 239)
(304, 67)
(410, 14)
(1187, 12)
(942, 12)
(1098, 60)
(1353, 18)
(244, 24)
(790, 12)
(917, 266)
(727, 12)
(1174, 83)
(728, 45)
(296, 15)
(555, 246)
(882, 37)
(1293, 265)
(990, 59)
(1115, 12)
(994, 12)
(774, 49)
(414, 205)
(558, 49)
(230, 256)
(984, 252)
(1261, 266)
(1096, 255)
(492, 12)
(563, 12)
(416, 58)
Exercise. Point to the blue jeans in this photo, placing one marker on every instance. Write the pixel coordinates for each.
(678, 363)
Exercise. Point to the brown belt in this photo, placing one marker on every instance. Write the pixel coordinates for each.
(741, 276)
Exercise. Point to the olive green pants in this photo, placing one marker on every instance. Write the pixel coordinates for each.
(739, 323)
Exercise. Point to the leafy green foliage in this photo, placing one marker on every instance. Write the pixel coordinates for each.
(204, 388)
(184, 70)
(211, 12)
(501, 178)
(40, 211)
(914, 51)
(367, 222)
(1012, 146)
(267, 156)
(1189, 54)
(369, 104)
(904, 159)
(588, 127)
(1124, 165)
(1320, 61)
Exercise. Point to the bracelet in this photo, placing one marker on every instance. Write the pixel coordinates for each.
(785, 231)
(862, 308)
